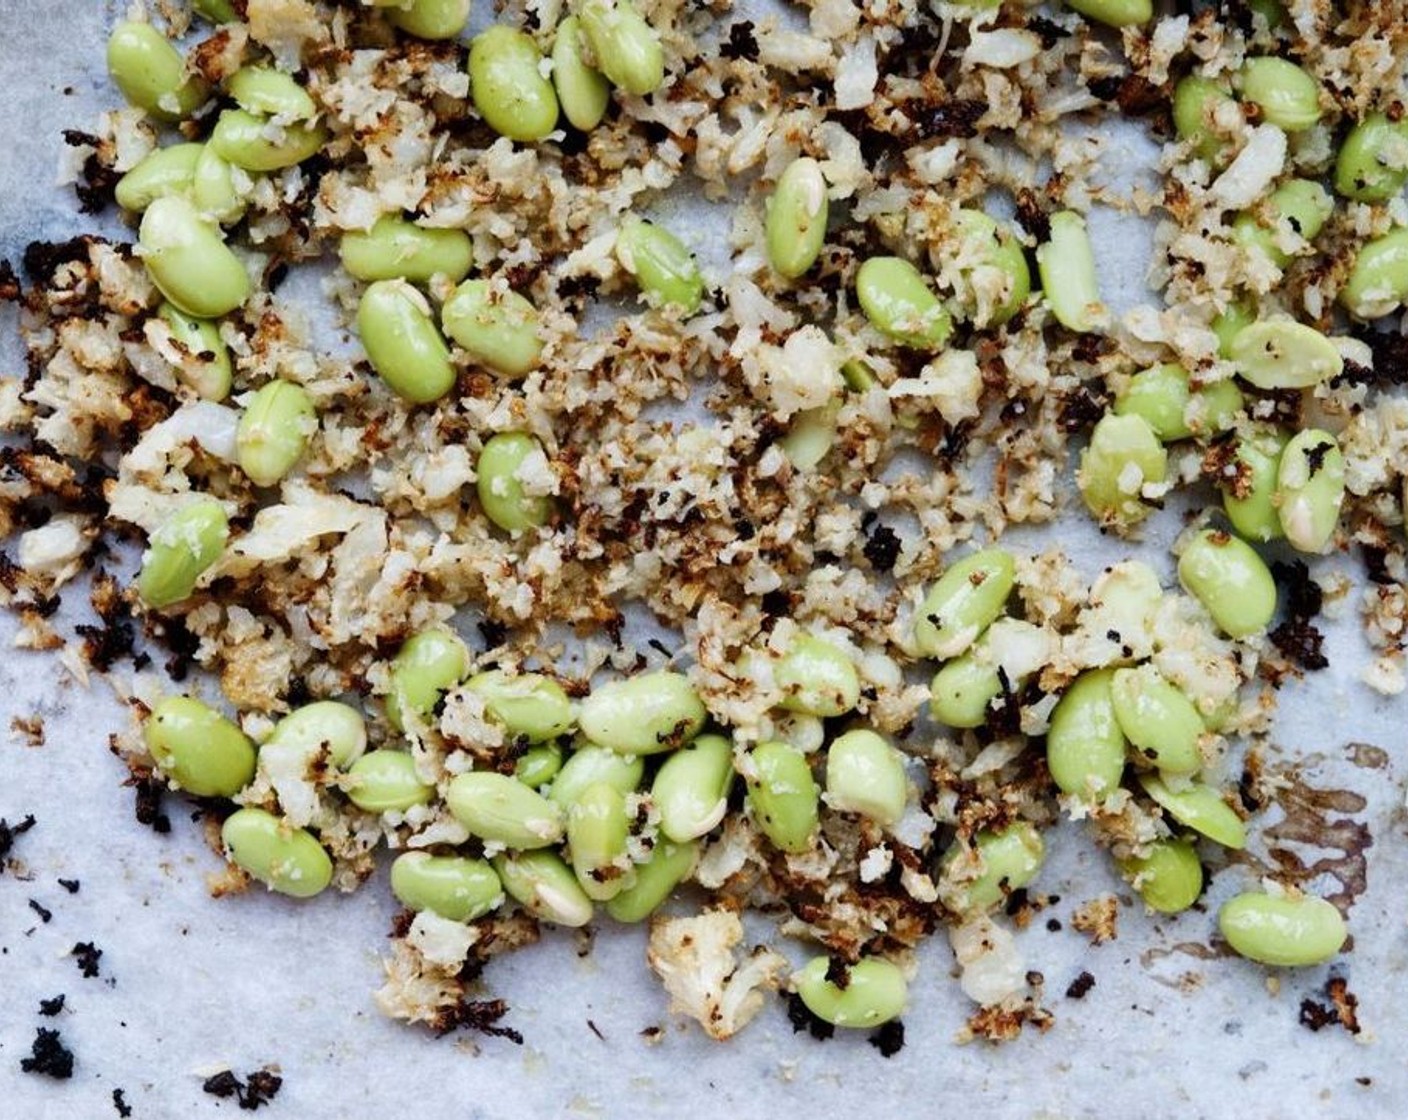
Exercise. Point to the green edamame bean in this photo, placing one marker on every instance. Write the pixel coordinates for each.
(501, 493)
(783, 795)
(1085, 748)
(626, 48)
(1005, 860)
(253, 143)
(965, 601)
(811, 436)
(386, 781)
(497, 328)
(1169, 878)
(1310, 489)
(1301, 206)
(875, 992)
(217, 11)
(287, 860)
(1197, 105)
(1159, 721)
(691, 789)
(1115, 13)
(1226, 575)
(1229, 324)
(857, 375)
(865, 775)
(1372, 164)
(1249, 485)
(274, 430)
(583, 92)
(1269, 10)
(189, 261)
(151, 73)
(504, 811)
(817, 678)
(1123, 455)
(796, 218)
(1287, 96)
(213, 187)
(454, 887)
(1285, 932)
(963, 690)
(544, 886)
(530, 706)
(898, 303)
(1200, 807)
(187, 543)
(590, 765)
(597, 831)
(1160, 395)
(664, 268)
(324, 725)
(431, 19)
(1378, 282)
(644, 714)
(1214, 407)
(1284, 354)
(199, 749)
(209, 370)
(166, 171)
(265, 91)
(1066, 264)
(395, 249)
(507, 84)
(539, 765)
(990, 247)
(668, 866)
(402, 344)
(424, 667)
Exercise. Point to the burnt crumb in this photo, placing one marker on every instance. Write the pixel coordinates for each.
(42, 259)
(889, 1039)
(1301, 643)
(87, 955)
(1082, 409)
(1004, 718)
(222, 1085)
(882, 548)
(953, 120)
(801, 1018)
(1078, 987)
(115, 639)
(1047, 31)
(257, 1089)
(51, 1007)
(480, 1015)
(119, 1102)
(1342, 1009)
(1134, 94)
(70, 885)
(577, 289)
(48, 1056)
(741, 43)
(838, 973)
(1298, 639)
(96, 188)
(776, 603)
(1376, 564)
(596, 1030)
(9, 283)
(8, 834)
(493, 633)
(183, 646)
(1053, 925)
(1390, 351)
(1032, 215)
(148, 805)
(45, 914)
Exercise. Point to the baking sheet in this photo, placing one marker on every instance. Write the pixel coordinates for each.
(189, 985)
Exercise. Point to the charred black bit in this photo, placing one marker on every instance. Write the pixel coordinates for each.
(44, 258)
(1048, 32)
(1341, 1010)
(51, 1007)
(493, 632)
(480, 1015)
(70, 885)
(9, 283)
(119, 1102)
(106, 645)
(1032, 214)
(801, 1018)
(953, 120)
(1390, 351)
(8, 835)
(222, 1085)
(776, 603)
(1297, 637)
(148, 805)
(741, 43)
(1078, 987)
(1376, 564)
(1082, 408)
(45, 914)
(257, 1089)
(882, 547)
(48, 1056)
(889, 1039)
(95, 189)
(87, 955)
(838, 972)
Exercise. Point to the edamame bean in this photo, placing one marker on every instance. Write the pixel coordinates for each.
(1160, 395)
(962, 691)
(1285, 932)
(497, 327)
(530, 706)
(198, 748)
(1226, 575)
(1159, 721)
(454, 887)
(664, 269)
(1066, 264)
(1249, 494)
(324, 725)
(1197, 105)
(166, 171)
(1085, 748)
(626, 48)
(1122, 457)
(644, 714)
(431, 19)
(1301, 205)
(1287, 96)
(1200, 807)
(590, 765)
(395, 249)
(1378, 281)
(402, 344)
(189, 261)
(865, 775)
(1214, 407)
(424, 667)
(256, 144)
(817, 678)
(965, 601)
(691, 789)
(507, 84)
(783, 795)
(539, 765)
(208, 369)
(268, 92)
(874, 992)
(151, 73)
(811, 436)
(386, 781)
(597, 831)
(544, 886)
(1005, 860)
(213, 187)
(991, 247)
(274, 430)
(795, 228)
(187, 543)
(284, 859)
(583, 92)
(898, 303)
(217, 11)
(668, 866)
(1229, 324)
(1284, 354)
(1169, 878)
(502, 810)
(1115, 13)
(1372, 164)
(1310, 489)
(501, 491)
